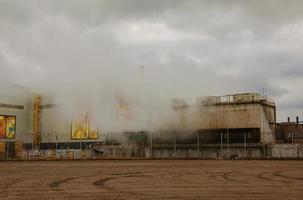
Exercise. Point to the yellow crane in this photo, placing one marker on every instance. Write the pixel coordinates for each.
(36, 122)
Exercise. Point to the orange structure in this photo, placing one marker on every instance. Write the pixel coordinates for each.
(36, 122)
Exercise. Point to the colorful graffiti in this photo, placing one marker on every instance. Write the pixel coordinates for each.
(2, 127)
(7, 127)
(81, 129)
(10, 127)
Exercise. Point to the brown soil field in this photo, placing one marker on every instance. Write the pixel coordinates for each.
(151, 179)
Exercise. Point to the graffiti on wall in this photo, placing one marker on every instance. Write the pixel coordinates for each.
(81, 129)
(7, 127)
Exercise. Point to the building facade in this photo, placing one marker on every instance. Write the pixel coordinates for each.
(215, 126)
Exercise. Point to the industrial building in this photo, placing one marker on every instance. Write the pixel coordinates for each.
(230, 126)
(223, 126)
(290, 132)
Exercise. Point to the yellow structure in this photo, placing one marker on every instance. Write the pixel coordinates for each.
(7, 127)
(36, 122)
(80, 129)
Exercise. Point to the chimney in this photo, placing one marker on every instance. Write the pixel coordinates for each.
(297, 119)
(288, 119)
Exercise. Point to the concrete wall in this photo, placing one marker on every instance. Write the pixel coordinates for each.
(229, 116)
(267, 128)
(291, 151)
(209, 153)
(273, 151)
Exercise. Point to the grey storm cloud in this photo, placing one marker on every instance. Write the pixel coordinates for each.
(187, 48)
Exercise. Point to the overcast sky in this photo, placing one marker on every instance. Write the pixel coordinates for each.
(187, 48)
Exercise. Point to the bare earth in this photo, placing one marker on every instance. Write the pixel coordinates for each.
(166, 179)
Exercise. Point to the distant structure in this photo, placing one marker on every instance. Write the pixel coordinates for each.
(237, 125)
(235, 115)
(290, 131)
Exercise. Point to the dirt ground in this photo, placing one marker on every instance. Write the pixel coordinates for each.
(148, 179)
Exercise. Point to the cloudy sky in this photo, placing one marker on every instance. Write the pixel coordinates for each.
(169, 48)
